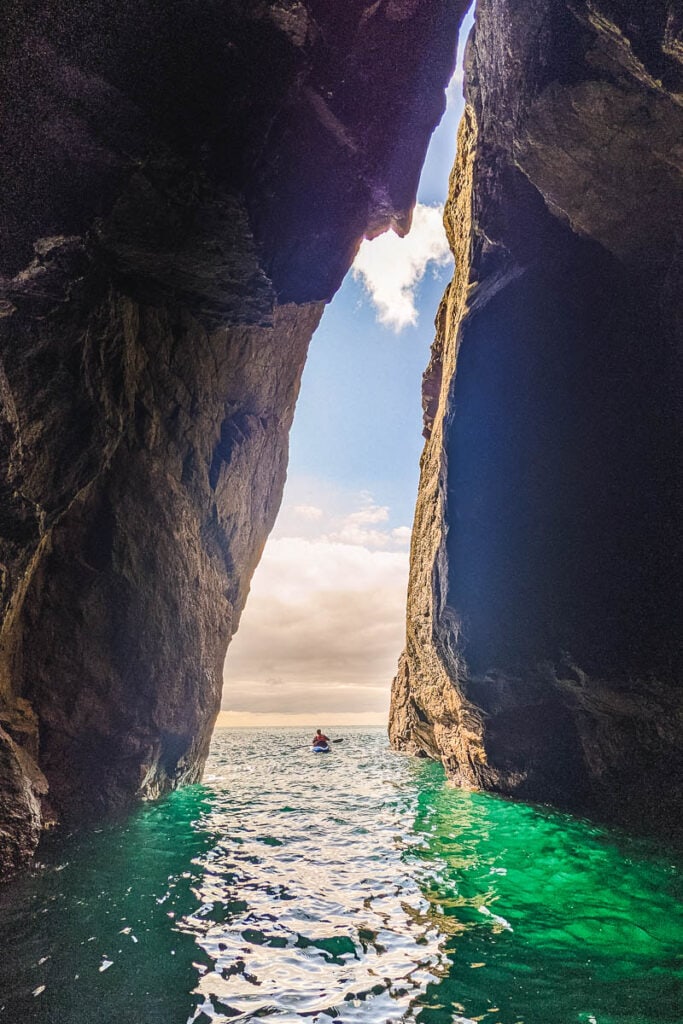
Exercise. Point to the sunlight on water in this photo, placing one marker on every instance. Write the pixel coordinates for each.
(356, 886)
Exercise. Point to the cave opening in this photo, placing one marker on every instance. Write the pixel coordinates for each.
(324, 624)
(189, 211)
(184, 186)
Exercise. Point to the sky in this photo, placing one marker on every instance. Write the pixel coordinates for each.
(324, 624)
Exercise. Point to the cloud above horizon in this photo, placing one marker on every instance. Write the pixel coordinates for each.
(324, 623)
(391, 268)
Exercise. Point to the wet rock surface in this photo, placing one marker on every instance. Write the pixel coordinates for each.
(541, 658)
(183, 189)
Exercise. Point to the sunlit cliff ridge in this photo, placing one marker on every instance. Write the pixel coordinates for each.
(541, 657)
(183, 189)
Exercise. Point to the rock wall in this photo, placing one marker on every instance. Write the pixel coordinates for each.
(183, 187)
(543, 609)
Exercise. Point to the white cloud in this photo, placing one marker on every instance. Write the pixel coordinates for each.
(401, 534)
(324, 623)
(351, 533)
(391, 267)
(310, 512)
(339, 517)
(370, 514)
(361, 528)
(326, 620)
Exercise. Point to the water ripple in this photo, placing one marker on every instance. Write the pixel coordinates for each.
(353, 887)
(317, 914)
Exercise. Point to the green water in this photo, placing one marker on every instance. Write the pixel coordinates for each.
(356, 886)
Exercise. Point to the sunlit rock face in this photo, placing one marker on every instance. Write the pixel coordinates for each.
(540, 658)
(184, 187)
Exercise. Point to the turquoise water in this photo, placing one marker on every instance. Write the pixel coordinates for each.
(357, 886)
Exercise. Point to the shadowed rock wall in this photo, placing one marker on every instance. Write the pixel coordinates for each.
(543, 609)
(183, 186)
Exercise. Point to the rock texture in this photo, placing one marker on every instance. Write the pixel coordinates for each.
(541, 658)
(183, 187)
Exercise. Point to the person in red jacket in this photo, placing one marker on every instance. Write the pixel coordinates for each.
(320, 739)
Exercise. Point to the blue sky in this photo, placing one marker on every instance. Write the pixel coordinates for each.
(323, 627)
(358, 420)
(359, 416)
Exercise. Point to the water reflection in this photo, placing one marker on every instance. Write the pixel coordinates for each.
(113, 895)
(547, 917)
(357, 887)
(319, 916)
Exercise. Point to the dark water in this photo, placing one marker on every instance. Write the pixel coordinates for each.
(356, 886)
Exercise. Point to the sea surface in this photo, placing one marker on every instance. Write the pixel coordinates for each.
(357, 886)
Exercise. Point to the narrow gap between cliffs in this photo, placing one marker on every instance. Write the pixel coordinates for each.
(324, 623)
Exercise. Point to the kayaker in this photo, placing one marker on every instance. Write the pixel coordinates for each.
(320, 739)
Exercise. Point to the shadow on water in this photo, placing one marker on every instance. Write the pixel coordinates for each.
(356, 887)
(95, 922)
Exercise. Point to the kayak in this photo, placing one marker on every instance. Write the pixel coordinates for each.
(322, 749)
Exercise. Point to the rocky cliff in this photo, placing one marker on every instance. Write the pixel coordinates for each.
(540, 658)
(183, 186)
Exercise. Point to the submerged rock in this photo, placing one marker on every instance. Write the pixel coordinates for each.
(541, 656)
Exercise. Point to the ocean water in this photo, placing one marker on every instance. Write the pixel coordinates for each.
(357, 886)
